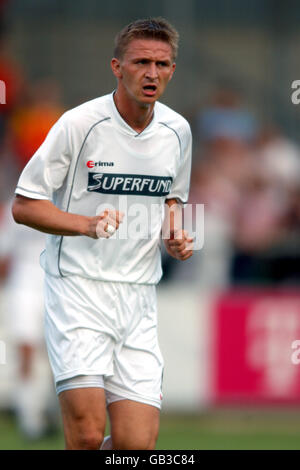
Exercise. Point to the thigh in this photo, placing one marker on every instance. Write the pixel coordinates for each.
(84, 414)
(78, 336)
(138, 363)
(134, 425)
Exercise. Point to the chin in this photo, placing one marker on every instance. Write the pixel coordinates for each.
(147, 100)
(151, 99)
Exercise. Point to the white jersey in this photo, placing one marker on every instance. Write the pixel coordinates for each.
(92, 160)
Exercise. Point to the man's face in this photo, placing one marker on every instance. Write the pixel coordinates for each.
(145, 69)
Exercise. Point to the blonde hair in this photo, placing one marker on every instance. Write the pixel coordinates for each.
(152, 28)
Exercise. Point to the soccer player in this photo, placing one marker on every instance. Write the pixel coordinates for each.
(100, 186)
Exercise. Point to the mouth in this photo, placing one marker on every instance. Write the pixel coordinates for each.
(149, 90)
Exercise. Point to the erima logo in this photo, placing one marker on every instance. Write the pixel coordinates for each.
(137, 185)
(92, 164)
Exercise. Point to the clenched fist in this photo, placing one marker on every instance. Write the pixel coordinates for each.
(179, 245)
(105, 224)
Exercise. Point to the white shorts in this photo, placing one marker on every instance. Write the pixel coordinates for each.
(105, 328)
(84, 381)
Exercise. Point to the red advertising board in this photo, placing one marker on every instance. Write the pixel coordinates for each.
(256, 347)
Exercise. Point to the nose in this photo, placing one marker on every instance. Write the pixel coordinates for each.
(151, 72)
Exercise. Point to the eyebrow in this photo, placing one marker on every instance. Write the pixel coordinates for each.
(136, 59)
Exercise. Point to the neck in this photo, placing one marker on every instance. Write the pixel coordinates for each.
(137, 116)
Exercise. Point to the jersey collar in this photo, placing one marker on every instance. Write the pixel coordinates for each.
(123, 124)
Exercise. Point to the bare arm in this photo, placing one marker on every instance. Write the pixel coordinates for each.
(177, 241)
(44, 216)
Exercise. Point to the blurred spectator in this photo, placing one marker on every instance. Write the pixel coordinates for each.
(32, 120)
(218, 182)
(225, 116)
(279, 159)
(33, 395)
(267, 215)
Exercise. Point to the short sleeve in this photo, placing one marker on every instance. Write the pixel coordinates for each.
(46, 170)
(181, 184)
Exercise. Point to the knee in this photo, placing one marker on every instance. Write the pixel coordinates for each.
(85, 438)
(90, 440)
(141, 441)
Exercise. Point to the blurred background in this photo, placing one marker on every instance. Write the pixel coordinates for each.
(228, 317)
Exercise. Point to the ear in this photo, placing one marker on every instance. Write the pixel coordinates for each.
(116, 67)
(172, 70)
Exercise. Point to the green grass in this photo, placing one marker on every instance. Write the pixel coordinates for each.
(233, 430)
(12, 439)
(219, 429)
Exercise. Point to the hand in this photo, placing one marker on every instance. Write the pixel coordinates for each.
(180, 245)
(99, 224)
